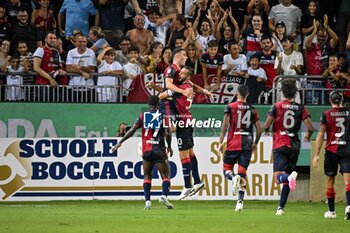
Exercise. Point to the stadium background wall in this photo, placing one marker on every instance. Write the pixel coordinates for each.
(55, 120)
(49, 120)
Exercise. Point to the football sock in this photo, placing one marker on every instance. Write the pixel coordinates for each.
(282, 178)
(194, 167)
(241, 195)
(229, 175)
(165, 187)
(284, 195)
(147, 189)
(186, 170)
(330, 198)
(347, 194)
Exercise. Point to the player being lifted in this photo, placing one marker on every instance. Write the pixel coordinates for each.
(286, 117)
(154, 151)
(184, 130)
(336, 123)
(171, 82)
(239, 119)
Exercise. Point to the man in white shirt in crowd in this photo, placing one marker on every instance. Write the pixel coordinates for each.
(81, 60)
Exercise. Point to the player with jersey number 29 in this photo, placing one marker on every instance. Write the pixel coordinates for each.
(286, 117)
(336, 123)
(239, 118)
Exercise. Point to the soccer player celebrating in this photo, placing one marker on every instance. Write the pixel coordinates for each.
(286, 117)
(336, 122)
(154, 151)
(184, 132)
(171, 80)
(239, 118)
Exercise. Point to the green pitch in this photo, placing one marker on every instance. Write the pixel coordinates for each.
(187, 217)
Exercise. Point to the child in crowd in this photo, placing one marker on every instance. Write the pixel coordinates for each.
(211, 63)
(22, 50)
(107, 66)
(13, 91)
(132, 69)
(255, 70)
(256, 78)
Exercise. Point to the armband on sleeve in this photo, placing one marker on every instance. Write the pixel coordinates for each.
(170, 92)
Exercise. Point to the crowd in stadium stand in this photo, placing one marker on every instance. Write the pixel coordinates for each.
(251, 39)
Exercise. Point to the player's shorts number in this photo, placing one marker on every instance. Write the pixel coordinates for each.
(179, 141)
(288, 119)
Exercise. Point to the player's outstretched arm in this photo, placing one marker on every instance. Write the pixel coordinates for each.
(319, 142)
(128, 134)
(310, 129)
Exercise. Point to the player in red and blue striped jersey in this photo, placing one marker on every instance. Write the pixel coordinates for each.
(184, 132)
(336, 123)
(286, 117)
(171, 82)
(154, 151)
(239, 118)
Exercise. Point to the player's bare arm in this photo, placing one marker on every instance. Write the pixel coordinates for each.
(128, 134)
(169, 150)
(310, 129)
(319, 142)
(268, 124)
(258, 134)
(223, 130)
(171, 86)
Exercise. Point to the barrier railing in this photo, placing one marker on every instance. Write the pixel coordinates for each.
(311, 89)
(62, 93)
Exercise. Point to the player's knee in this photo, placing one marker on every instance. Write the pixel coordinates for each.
(227, 167)
(347, 187)
(242, 171)
(276, 178)
(330, 193)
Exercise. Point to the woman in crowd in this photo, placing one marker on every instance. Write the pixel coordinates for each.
(166, 60)
(43, 18)
(225, 33)
(193, 58)
(312, 12)
(96, 37)
(152, 60)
